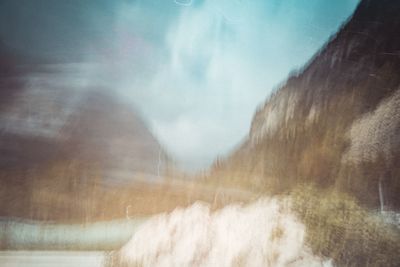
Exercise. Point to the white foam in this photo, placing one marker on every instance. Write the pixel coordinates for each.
(263, 233)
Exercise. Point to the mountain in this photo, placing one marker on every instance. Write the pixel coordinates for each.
(46, 123)
(336, 122)
(60, 141)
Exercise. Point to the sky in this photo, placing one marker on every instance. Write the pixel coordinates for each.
(195, 70)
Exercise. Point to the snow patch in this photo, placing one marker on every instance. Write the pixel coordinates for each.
(263, 233)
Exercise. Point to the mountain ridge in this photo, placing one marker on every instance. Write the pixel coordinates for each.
(62, 143)
(302, 131)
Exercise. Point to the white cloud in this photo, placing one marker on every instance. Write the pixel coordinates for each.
(199, 83)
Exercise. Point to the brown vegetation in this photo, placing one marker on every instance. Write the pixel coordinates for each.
(74, 193)
(340, 229)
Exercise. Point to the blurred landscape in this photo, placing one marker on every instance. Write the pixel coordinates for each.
(315, 182)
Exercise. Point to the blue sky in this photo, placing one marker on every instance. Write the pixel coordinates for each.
(195, 70)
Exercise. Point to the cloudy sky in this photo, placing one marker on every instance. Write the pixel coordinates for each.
(195, 69)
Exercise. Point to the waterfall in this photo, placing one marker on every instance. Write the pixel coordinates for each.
(380, 194)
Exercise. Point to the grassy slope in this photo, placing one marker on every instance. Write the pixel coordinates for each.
(339, 228)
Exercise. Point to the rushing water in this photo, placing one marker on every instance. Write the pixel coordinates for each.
(21, 234)
(52, 259)
(264, 233)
